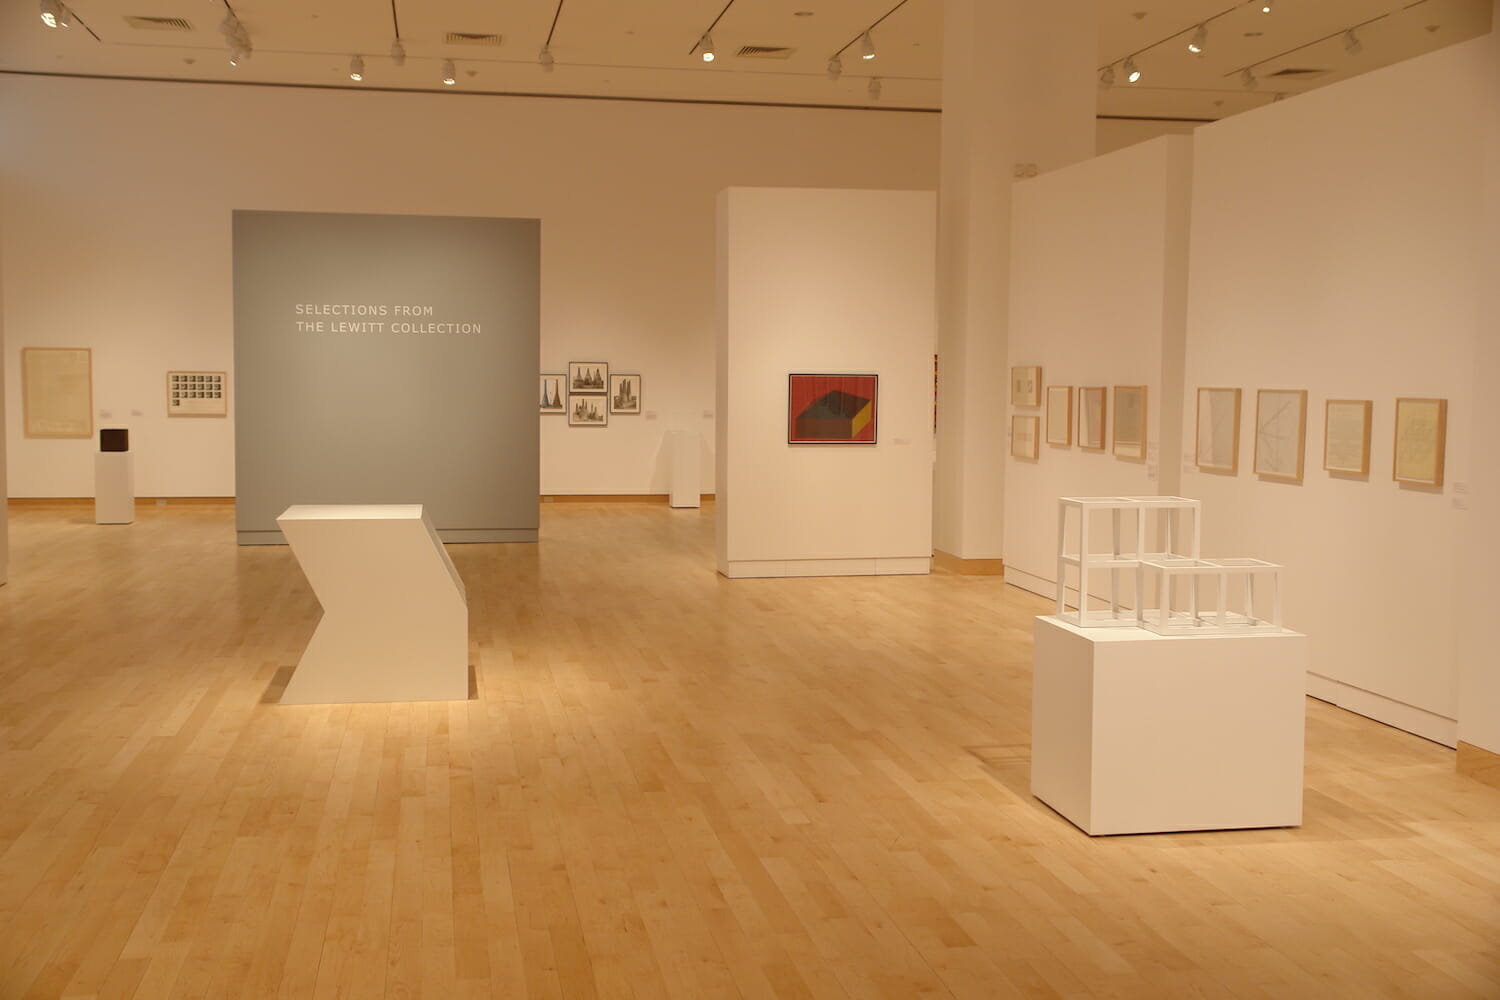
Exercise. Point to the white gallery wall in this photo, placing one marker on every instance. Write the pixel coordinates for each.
(1099, 256)
(1335, 239)
(831, 282)
(117, 198)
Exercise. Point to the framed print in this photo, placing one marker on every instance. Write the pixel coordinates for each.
(1346, 436)
(831, 409)
(1060, 415)
(587, 411)
(1091, 417)
(1421, 440)
(57, 392)
(1024, 432)
(197, 394)
(1280, 433)
(1130, 421)
(624, 394)
(552, 393)
(588, 378)
(1218, 430)
(1026, 386)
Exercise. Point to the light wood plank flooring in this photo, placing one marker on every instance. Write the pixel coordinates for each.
(668, 785)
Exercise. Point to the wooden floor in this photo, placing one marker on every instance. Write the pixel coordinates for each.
(669, 785)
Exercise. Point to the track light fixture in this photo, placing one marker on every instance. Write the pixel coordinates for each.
(544, 58)
(450, 75)
(1132, 72)
(357, 68)
(866, 46)
(705, 49)
(1199, 40)
(1265, 6)
(1107, 76)
(1248, 79)
(874, 89)
(1352, 44)
(398, 54)
(835, 68)
(55, 14)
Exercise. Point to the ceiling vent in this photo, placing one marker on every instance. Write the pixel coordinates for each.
(140, 23)
(469, 38)
(765, 52)
(1296, 74)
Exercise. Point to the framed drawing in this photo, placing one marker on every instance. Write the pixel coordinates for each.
(1218, 430)
(831, 409)
(197, 394)
(624, 394)
(1346, 436)
(1026, 386)
(1091, 417)
(1421, 440)
(552, 393)
(1060, 415)
(1280, 433)
(1130, 421)
(1024, 432)
(588, 378)
(587, 411)
(57, 392)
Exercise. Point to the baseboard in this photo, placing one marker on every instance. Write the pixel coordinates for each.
(661, 498)
(1030, 581)
(1417, 721)
(967, 567)
(1479, 764)
(70, 502)
(742, 569)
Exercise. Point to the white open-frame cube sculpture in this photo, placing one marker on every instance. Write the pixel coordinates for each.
(1208, 596)
(1138, 528)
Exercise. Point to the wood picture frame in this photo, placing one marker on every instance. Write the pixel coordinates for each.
(57, 392)
(832, 408)
(1060, 415)
(1280, 433)
(588, 378)
(1026, 386)
(1129, 440)
(1421, 441)
(197, 394)
(1218, 430)
(625, 393)
(1092, 400)
(1025, 431)
(1346, 435)
(552, 393)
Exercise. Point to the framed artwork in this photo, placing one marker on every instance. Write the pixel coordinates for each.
(831, 409)
(1280, 433)
(1026, 386)
(1421, 440)
(1218, 430)
(552, 393)
(1346, 436)
(1024, 432)
(57, 392)
(588, 378)
(197, 394)
(1130, 421)
(625, 394)
(1060, 415)
(1091, 417)
(587, 411)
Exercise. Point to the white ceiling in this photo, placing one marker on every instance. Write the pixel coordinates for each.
(643, 48)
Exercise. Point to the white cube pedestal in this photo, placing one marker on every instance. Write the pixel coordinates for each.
(114, 487)
(1133, 732)
(395, 614)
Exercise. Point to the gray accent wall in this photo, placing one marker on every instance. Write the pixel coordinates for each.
(387, 359)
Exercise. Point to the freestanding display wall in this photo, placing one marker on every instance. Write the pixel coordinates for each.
(387, 359)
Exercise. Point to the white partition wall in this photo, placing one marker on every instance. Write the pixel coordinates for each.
(1098, 265)
(824, 281)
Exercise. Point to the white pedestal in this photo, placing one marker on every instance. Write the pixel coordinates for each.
(1133, 732)
(685, 458)
(395, 614)
(114, 487)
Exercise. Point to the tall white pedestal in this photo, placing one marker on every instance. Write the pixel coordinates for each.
(395, 614)
(686, 451)
(1133, 732)
(114, 487)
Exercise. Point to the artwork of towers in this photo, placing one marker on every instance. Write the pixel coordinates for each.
(588, 393)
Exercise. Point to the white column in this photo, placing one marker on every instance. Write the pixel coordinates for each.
(4, 489)
(1018, 88)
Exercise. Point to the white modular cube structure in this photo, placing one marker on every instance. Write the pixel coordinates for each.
(1208, 596)
(1137, 528)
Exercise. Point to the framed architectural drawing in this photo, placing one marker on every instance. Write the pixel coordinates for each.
(1218, 430)
(1346, 436)
(1060, 415)
(624, 394)
(1421, 440)
(197, 394)
(1091, 417)
(588, 378)
(552, 393)
(1280, 433)
(57, 392)
(1024, 432)
(831, 409)
(1130, 421)
(587, 411)
(1026, 386)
